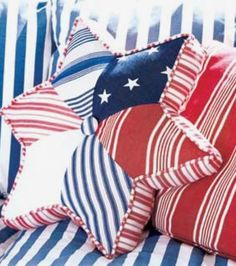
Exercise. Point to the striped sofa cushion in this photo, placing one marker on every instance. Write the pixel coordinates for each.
(136, 23)
(64, 244)
(204, 213)
(26, 47)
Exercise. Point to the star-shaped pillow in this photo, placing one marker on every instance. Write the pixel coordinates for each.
(67, 170)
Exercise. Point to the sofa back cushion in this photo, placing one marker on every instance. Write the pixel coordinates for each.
(25, 41)
(136, 23)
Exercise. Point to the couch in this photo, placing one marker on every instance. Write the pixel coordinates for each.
(34, 37)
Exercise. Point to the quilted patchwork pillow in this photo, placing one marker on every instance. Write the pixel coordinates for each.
(87, 181)
(203, 213)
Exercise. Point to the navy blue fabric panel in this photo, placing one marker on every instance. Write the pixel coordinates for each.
(219, 28)
(176, 20)
(143, 67)
(154, 28)
(197, 26)
(41, 34)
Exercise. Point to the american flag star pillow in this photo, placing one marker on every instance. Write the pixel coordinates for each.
(203, 213)
(66, 169)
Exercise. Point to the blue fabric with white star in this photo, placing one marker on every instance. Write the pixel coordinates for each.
(135, 79)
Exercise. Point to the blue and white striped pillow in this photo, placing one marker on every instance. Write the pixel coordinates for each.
(135, 23)
(26, 47)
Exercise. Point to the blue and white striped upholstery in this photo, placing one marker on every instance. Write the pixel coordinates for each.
(66, 244)
(25, 50)
(135, 23)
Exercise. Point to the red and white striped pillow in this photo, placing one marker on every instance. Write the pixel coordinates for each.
(203, 213)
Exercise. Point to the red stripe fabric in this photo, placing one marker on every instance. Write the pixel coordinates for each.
(161, 147)
(203, 213)
(38, 113)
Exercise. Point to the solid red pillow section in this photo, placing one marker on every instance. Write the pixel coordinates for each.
(203, 213)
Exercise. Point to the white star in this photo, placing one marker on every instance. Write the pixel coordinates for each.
(167, 71)
(132, 83)
(153, 50)
(104, 97)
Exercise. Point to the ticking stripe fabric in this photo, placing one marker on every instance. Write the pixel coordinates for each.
(66, 244)
(136, 23)
(98, 191)
(26, 47)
